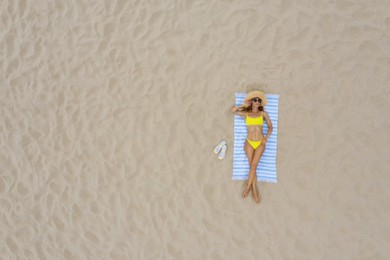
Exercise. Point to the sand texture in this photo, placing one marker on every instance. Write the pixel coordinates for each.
(110, 111)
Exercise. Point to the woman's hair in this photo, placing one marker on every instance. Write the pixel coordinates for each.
(249, 109)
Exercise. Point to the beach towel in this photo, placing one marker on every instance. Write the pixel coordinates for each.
(266, 169)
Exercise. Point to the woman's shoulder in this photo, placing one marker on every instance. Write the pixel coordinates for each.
(259, 114)
(264, 114)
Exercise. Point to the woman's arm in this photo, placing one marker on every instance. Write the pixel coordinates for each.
(269, 123)
(238, 110)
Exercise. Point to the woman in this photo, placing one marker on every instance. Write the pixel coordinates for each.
(253, 112)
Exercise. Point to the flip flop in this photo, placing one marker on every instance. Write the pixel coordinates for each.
(218, 148)
(222, 152)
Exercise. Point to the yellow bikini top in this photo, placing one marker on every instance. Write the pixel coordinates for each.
(253, 120)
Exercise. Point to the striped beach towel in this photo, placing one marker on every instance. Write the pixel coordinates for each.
(266, 169)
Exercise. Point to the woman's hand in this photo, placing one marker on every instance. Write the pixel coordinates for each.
(247, 103)
(264, 140)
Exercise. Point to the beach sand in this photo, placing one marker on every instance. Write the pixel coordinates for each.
(110, 111)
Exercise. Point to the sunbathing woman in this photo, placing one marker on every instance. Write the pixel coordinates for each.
(253, 112)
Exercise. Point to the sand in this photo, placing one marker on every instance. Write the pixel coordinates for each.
(110, 111)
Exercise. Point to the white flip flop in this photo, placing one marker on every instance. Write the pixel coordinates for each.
(218, 148)
(223, 152)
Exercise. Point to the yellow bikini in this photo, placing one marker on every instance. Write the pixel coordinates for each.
(254, 121)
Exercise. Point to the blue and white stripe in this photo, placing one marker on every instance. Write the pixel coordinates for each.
(266, 169)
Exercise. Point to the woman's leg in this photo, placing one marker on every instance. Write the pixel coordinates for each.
(255, 161)
(249, 153)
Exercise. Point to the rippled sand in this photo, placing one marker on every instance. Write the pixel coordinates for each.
(110, 111)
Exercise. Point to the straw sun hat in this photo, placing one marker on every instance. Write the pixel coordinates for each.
(258, 94)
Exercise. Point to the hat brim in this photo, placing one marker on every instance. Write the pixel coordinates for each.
(258, 94)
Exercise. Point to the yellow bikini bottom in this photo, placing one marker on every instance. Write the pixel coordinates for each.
(253, 143)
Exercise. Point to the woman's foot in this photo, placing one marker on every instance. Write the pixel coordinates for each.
(246, 190)
(256, 195)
